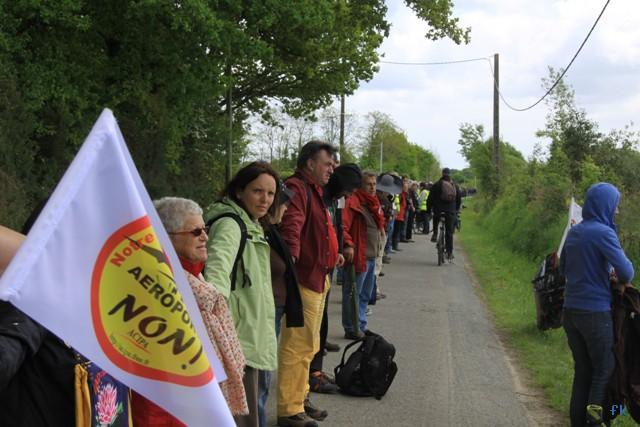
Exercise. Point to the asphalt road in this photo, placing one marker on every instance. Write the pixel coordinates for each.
(452, 369)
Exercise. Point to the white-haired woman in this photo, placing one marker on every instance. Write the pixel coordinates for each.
(182, 218)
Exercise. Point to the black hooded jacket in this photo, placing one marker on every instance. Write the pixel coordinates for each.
(36, 373)
(435, 202)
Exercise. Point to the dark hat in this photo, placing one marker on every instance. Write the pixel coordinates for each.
(285, 194)
(389, 184)
(446, 172)
(345, 178)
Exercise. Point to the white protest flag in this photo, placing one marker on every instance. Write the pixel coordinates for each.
(575, 217)
(98, 270)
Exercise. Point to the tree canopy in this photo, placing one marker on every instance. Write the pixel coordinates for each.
(166, 69)
(398, 154)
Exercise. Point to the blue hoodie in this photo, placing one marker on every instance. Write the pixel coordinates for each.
(591, 249)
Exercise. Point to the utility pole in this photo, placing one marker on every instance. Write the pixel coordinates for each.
(381, 148)
(229, 166)
(496, 125)
(341, 127)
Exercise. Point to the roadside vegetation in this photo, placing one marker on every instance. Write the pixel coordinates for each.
(520, 214)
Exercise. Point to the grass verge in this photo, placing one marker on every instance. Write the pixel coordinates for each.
(505, 280)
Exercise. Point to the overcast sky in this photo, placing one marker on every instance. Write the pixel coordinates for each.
(430, 102)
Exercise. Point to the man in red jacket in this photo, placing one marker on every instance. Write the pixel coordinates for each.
(307, 229)
(363, 227)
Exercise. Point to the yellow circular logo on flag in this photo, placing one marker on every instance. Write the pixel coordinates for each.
(140, 319)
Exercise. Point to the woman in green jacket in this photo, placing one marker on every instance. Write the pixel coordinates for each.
(239, 266)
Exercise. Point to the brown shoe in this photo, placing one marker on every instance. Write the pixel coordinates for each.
(319, 382)
(313, 411)
(298, 420)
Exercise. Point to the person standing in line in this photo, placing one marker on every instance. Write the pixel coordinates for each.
(182, 218)
(363, 225)
(307, 229)
(247, 198)
(400, 202)
(422, 203)
(590, 257)
(412, 198)
(284, 282)
(386, 188)
(344, 180)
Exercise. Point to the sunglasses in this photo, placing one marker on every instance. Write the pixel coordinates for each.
(196, 231)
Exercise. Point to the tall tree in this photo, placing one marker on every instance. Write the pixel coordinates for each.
(165, 68)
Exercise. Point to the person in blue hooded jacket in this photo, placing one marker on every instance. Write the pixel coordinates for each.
(591, 255)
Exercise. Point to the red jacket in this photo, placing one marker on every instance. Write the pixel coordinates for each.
(403, 207)
(354, 227)
(307, 233)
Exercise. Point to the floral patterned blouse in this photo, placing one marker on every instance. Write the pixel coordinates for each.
(217, 319)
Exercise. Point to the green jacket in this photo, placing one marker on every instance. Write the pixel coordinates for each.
(252, 307)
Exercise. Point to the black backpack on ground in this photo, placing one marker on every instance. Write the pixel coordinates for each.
(369, 370)
(548, 292)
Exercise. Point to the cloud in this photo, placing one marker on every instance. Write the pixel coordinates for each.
(430, 102)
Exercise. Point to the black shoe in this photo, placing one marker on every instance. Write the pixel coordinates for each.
(404, 241)
(386, 260)
(329, 346)
(381, 274)
(410, 241)
(350, 335)
(313, 411)
(434, 237)
(298, 420)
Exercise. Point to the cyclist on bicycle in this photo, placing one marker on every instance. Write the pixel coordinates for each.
(445, 197)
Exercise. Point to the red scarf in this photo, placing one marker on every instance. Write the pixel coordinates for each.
(193, 268)
(373, 205)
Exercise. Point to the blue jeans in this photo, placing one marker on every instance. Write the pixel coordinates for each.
(590, 338)
(387, 246)
(364, 287)
(374, 291)
(264, 377)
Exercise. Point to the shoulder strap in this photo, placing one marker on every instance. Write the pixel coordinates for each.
(307, 189)
(243, 241)
(344, 352)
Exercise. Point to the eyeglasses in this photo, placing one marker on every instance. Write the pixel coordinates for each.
(196, 231)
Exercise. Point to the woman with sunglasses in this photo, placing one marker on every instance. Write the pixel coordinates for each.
(239, 266)
(182, 218)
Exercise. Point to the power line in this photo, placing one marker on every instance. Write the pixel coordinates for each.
(434, 63)
(563, 71)
(493, 75)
